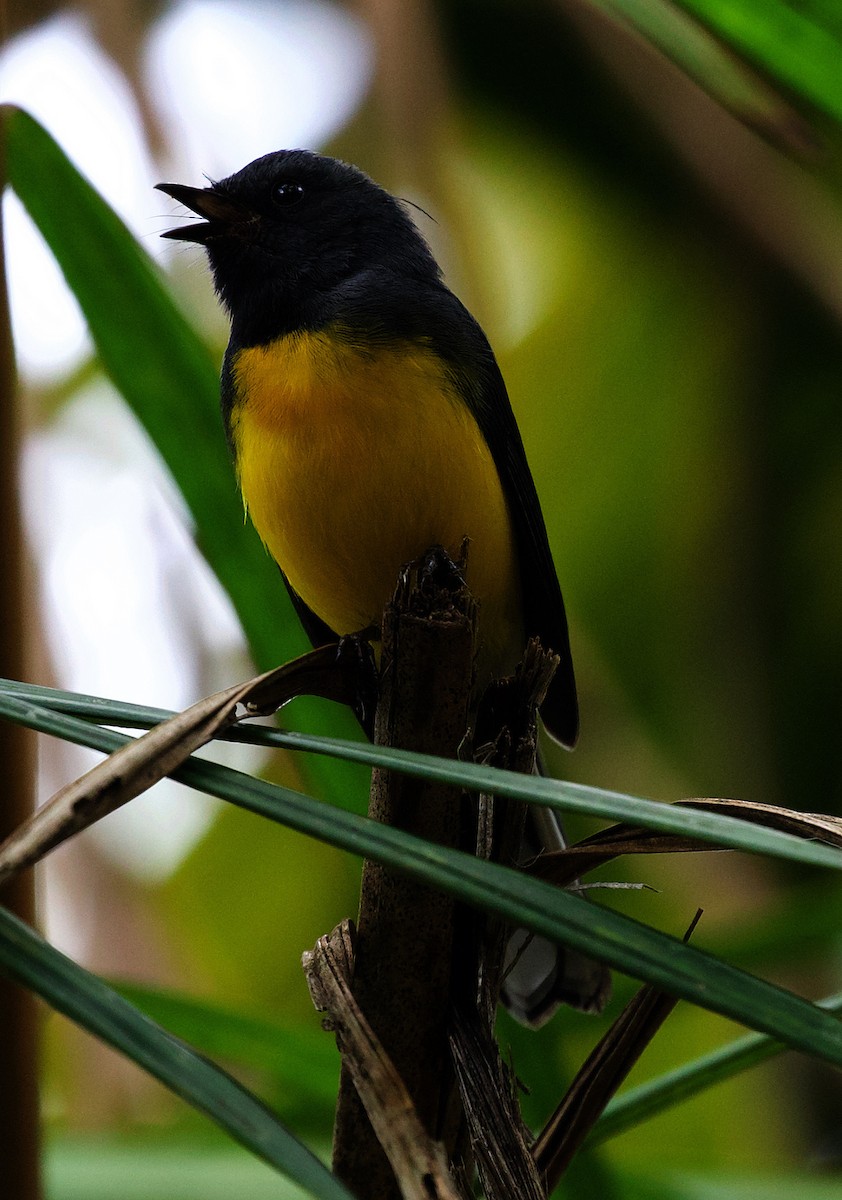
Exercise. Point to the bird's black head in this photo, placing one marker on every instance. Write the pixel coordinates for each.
(288, 229)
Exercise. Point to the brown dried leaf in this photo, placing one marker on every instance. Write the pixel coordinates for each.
(562, 867)
(135, 767)
(820, 826)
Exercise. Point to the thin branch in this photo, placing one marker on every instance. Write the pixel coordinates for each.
(19, 1115)
(406, 948)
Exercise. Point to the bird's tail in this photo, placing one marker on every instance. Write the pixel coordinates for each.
(541, 975)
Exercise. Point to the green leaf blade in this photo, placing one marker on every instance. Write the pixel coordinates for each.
(161, 367)
(566, 918)
(792, 43)
(166, 375)
(67, 987)
(727, 831)
(303, 1060)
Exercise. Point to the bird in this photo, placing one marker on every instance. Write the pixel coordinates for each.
(368, 419)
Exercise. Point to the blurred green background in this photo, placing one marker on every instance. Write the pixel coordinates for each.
(662, 280)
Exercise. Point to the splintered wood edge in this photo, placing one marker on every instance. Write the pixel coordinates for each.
(416, 1159)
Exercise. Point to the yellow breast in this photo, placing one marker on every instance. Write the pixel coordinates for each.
(352, 461)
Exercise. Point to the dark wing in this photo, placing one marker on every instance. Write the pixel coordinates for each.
(544, 617)
(317, 631)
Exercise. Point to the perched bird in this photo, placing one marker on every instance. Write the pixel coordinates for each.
(368, 421)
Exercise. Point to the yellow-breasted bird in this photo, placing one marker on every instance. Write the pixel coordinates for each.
(368, 418)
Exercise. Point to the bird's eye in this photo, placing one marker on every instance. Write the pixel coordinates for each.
(285, 194)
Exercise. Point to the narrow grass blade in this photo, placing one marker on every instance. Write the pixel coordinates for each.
(158, 363)
(27, 958)
(726, 831)
(656, 1095)
(621, 942)
(715, 66)
(800, 45)
(170, 381)
(303, 1060)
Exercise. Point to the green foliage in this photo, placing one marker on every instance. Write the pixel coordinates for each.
(298, 1066)
(89, 1002)
(641, 1103)
(696, 516)
(49, 710)
(525, 902)
(101, 1168)
(165, 372)
(798, 46)
(159, 365)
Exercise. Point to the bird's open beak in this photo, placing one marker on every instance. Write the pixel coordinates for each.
(219, 212)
